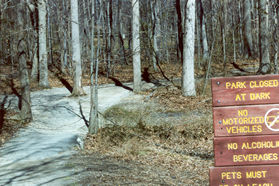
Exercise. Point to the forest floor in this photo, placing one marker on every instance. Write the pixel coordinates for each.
(166, 140)
(162, 138)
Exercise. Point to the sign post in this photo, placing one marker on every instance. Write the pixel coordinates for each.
(246, 128)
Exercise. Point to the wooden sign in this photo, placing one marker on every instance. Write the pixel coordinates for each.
(265, 175)
(246, 120)
(249, 90)
(246, 150)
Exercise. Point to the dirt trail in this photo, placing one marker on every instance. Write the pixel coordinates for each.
(38, 154)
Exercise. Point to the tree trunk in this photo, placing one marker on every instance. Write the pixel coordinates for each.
(104, 39)
(263, 38)
(64, 57)
(77, 90)
(155, 35)
(241, 43)
(248, 41)
(25, 100)
(109, 22)
(34, 71)
(85, 49)
(121, 39)
(198, 41)
(179, 28)
(233, 37)
(93, 116)
(43, 65)
(49, 29)
(224, 32)
(203, 31)
(275, 36)
(35, 31)
(256, 28)
(188, 77)
(1, 40)
(136, 46)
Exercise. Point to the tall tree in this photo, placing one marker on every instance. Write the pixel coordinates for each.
(136, 46)
(248, 41)
(276, 35)
(120, 32)
(64, 58)
(241, 43)
(77, 90)
(43, 65)
(188, 76)
(1, 17)
(24, 98)
(93, 116)
(203, 31)
(264, 67)
(110, 36)
(156, 25)
(33, 11)
(224, 32)
(179, 28)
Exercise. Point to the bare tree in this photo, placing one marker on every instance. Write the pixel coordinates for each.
(136, 46)
(248, 41)
(93, 116)
(24, 98)
(224, 32)
(77, 90)
(33, 11)
(188, 76)
(264, 67)
(203, 31)
(64, 54)
(276, 35)
(155, 33)
(43, 65)
(179, 29)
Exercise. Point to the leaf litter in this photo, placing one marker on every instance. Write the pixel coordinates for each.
(172, 140)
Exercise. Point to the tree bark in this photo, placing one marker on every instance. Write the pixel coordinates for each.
(35, 26)
(224, 32)
(1, 18)
(109, 48)
(265, 66)
(49, 34)
(120, 37)
(275, 36)
(64, 56)
(248, 41)
(85, 44)
(77, 90)
(155, 35)
(25, 100)
(203, 31)
(136, 46)
(188, 81)
(241, 43)
(93, 116)
(43, 65)
(179, 28)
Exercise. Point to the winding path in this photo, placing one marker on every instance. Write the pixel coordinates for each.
(38, 154)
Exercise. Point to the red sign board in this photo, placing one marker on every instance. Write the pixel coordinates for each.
(246, 128)
(249, 90)
(246, 120)
(265, 175)
(251, 150)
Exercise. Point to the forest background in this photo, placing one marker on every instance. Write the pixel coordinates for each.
(74, 43)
